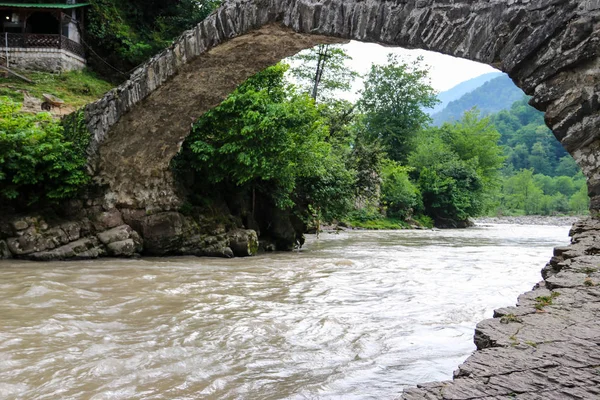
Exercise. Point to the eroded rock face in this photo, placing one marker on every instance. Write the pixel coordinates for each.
(549, 48)
(166, 233)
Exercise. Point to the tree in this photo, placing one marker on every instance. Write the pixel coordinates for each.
(322, 71)
(37, 163)
(392, 100)
(267, 138)
(398, 194)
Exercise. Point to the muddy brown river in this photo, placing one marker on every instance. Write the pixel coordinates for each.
(355, 315)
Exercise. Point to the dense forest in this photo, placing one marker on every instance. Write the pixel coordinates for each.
(297, 149)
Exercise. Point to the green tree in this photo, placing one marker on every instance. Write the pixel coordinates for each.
(580, 201)
(392, 100)
(521, 193)
(322, 71)
(398, 194)
(37, 163)
(451, 191)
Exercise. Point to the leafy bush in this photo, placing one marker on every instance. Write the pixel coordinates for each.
(37, 164)
(398, 193)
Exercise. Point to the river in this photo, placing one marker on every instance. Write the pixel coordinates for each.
(354, 315)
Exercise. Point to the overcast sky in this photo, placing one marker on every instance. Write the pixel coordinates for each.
(445, 71)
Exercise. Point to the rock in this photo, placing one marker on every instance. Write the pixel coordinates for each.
(163, 233)
(124, 248)
(243, 242)
(85, 248)
(20, 225)
(121, 241)
(107, 220)
(117, 234)
(4, 251)
(30, 243)
(546, 347)
(134, 218)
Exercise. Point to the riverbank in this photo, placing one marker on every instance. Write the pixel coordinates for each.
(546, 347)
(530, 220)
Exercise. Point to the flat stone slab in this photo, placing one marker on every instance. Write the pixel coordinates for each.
(548, 346)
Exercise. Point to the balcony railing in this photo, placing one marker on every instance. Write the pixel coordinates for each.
(31, 40)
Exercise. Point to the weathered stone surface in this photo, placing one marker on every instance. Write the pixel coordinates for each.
(108, 219)
(20, 225)
(243, 242)
(546, 347)
(124, 248)
(4, 251)
(549, 48)
(121, 241)
(86, 248)
(163, 233)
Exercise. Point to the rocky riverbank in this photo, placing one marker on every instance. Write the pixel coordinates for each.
(529, 220)
(548, 345)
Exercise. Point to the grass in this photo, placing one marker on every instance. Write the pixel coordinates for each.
(589, 282)
(543, 301)
(510, 318)
(589, 270)
(76, 88)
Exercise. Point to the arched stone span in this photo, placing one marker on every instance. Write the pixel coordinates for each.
(549, 48)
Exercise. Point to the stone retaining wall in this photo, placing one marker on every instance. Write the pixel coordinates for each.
(43, 59)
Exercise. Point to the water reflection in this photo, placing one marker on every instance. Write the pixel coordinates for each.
(357, 315)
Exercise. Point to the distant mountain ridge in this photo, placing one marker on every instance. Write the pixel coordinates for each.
(460, 90)
(493, 96)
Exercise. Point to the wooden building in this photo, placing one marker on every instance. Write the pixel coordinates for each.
(45, 37)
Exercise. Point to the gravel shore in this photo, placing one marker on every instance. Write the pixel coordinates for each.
(530, 220)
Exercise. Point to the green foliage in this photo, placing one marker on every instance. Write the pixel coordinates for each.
(124, 34)
(456, 167)
(393, 100)
(398, 194)
(321, 71)
(451, 191)
(268, 137)
(37, 164)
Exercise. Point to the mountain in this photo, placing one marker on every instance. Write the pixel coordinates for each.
(460, 90)
(493, 96)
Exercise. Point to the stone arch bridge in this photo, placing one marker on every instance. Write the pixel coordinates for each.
(550, 48)
(539, 350)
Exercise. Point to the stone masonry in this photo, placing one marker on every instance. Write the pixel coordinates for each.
(549, 48)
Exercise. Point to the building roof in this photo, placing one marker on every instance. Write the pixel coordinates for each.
(42, 5)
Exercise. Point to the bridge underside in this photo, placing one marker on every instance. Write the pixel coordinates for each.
(550, 49)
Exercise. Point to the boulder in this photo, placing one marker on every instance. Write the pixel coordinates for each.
(121, 241)
(85, 248)
(4, 251)
(124, 248)
(163, 233)
(243, 242)
(107, 220)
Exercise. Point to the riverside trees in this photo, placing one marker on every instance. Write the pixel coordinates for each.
(302, 150)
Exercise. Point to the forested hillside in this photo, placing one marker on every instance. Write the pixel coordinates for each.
(539, 176)
(491, 97)
(460, 90)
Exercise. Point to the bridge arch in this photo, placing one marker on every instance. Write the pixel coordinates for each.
(550, 48)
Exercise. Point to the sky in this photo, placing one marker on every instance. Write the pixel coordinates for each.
(445, 71)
